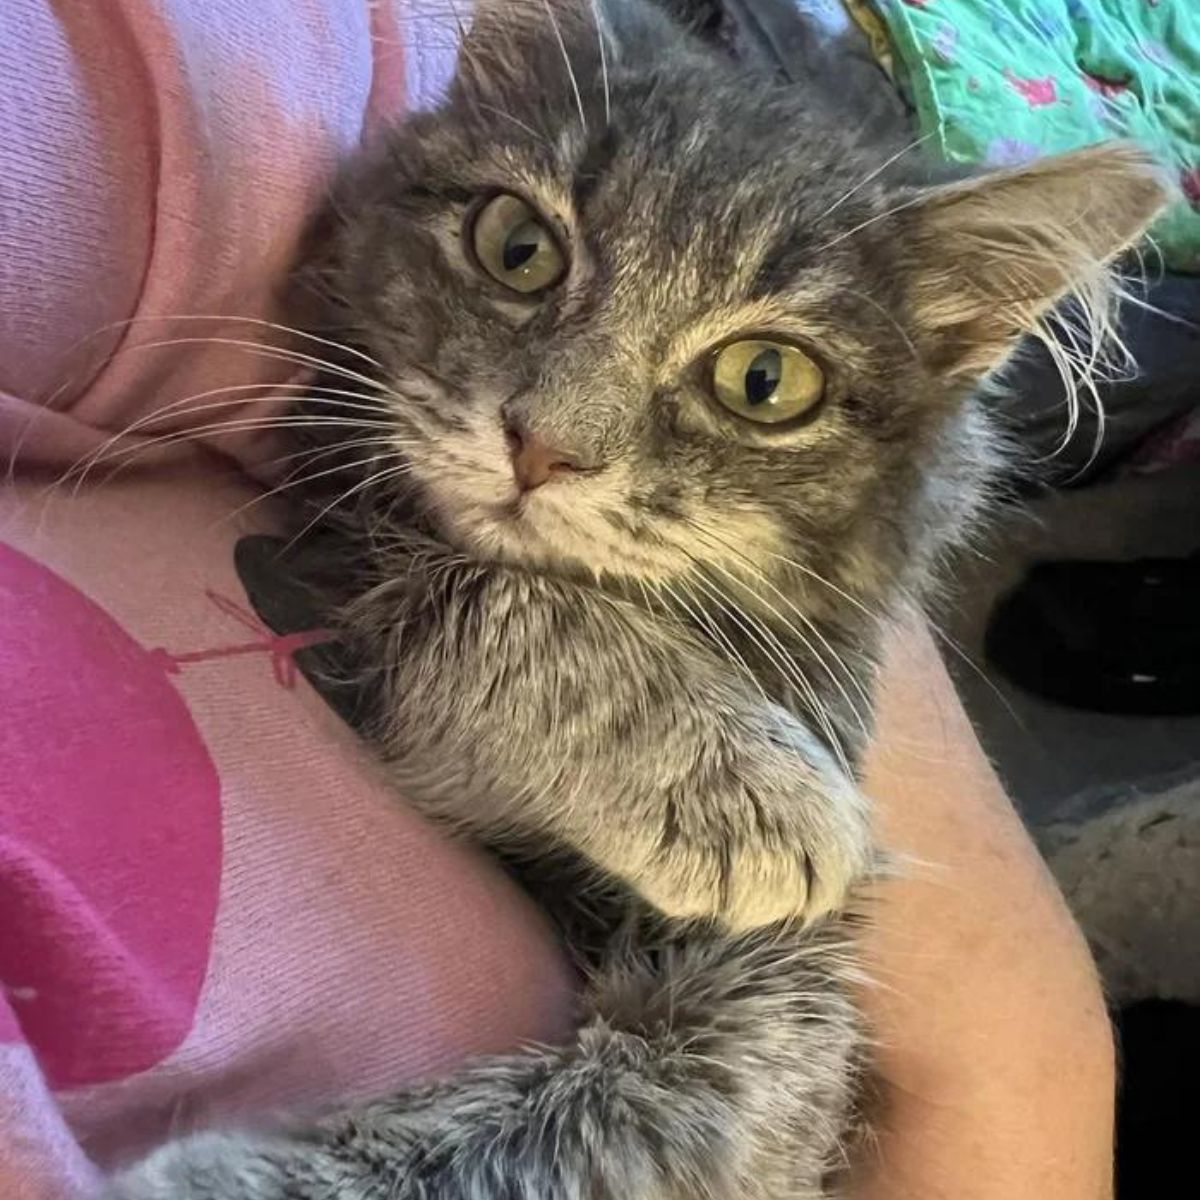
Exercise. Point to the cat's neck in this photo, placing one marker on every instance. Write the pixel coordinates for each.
(815, 659)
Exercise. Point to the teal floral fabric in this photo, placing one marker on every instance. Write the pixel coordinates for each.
(1004, 81)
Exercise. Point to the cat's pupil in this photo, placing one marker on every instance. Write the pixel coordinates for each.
(521, 245)
(762, 376)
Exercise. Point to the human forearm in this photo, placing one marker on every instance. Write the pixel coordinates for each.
(995, 1047)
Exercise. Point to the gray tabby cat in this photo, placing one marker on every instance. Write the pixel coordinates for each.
(681, 388)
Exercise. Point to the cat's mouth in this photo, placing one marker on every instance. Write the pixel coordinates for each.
(530, 529)
(481, 517)
(523, 520)
(544, 534)
(511, 509)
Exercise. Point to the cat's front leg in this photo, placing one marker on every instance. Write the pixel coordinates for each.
(533, 711)
(230, 1166)
(621, 1115)
(766, 828)
(683, 1083)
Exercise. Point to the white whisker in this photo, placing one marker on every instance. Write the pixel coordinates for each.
(311, 454)
(311, 394)
(912, 202)
(362, 485)
(879, 170)
(111, 448)
(714, 630)
(567, 61)
(499, 112)
(290, 483)
(247, 424)
(258, 322)
(764, 638)
(834, 676)
(280, 353)
(603, 63)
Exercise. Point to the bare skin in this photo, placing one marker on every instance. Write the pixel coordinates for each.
(995, 1046)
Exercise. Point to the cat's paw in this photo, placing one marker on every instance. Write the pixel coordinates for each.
(797, 862)
(226, 1166)
(753, 886)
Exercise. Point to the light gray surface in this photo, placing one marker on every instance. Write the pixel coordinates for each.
(1050, 756)
(1131, 874)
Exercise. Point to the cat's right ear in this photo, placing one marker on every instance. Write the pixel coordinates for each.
(991, 257)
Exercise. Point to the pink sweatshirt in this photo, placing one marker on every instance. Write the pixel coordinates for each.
(209, 903)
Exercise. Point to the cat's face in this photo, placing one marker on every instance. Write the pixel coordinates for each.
(641, 312)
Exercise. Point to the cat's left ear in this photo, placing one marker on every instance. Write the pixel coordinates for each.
(993, 255)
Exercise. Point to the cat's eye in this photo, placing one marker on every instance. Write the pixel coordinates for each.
(764, 381)
(513, 245)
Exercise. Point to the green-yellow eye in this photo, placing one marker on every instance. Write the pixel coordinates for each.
(768, 382)
(513, 245)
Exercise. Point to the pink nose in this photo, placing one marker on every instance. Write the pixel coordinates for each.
(534, 461)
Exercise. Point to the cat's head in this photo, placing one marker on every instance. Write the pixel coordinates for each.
(638, 310)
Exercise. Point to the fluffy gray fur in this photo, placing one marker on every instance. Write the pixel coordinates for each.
(647, 682)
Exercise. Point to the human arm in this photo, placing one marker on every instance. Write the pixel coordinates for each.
(995, 1049)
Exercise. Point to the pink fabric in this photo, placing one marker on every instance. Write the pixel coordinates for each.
(210, 905)
(158, 161)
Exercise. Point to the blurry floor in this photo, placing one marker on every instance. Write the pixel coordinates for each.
(1049, 756)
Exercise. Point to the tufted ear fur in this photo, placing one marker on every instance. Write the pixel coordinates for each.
(522, 46)
(509, 44)
(995, 254)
